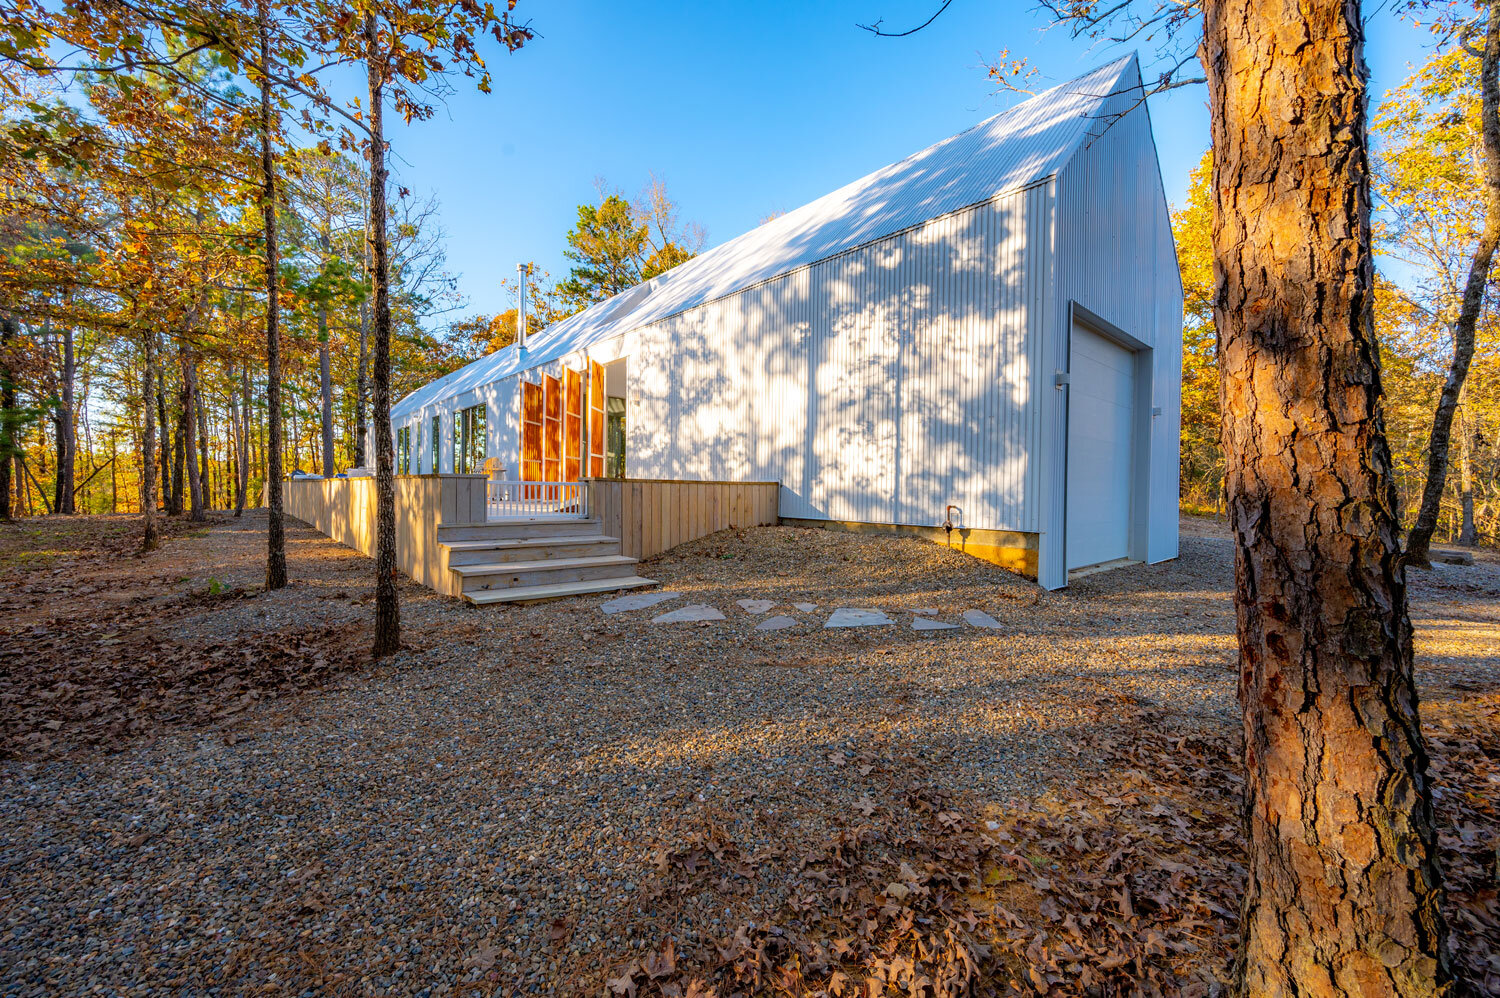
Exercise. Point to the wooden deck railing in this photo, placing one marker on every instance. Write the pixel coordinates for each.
(531, 499)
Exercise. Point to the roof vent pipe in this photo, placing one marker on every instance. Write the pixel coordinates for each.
(522, 269)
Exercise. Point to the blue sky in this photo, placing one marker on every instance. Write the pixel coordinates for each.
(743, 110)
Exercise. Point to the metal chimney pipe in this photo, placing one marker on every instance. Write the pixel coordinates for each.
(521, 270)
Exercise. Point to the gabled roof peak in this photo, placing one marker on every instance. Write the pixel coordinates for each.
(1020, 146)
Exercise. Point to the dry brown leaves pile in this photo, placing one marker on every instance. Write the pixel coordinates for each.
(1464, 740)
(1126, 884)
(81, 666)
(60, 690)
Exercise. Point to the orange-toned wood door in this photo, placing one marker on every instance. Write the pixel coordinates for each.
(572, 425)
(552, 412)
(531, 432)
(596, 420)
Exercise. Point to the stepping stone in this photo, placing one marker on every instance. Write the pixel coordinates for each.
(978, 618)
(637, 601)
(806, 607)
(923, 624)
(756, 606)
(688, 614)
(926, 611)
(775, 623)
(846, 617)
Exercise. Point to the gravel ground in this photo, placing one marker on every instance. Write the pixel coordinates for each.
(486, 805)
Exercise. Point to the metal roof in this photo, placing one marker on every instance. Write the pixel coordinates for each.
(1017, 147)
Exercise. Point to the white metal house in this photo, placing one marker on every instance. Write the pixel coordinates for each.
(988, 332)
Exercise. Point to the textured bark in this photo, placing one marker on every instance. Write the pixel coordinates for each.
(149, 538)
(205, 463)
(165, 431)
(179, 453)
(1419, 539)
(325, 391)
(242, 483)
(362, 389)
(189, 420)
(65, 429)
(1343, 890)
(8, 334)
(387, 611)
(1468, 533)
(276, 523)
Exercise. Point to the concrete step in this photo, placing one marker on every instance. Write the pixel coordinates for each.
(536, 594)
(488, 552)
(508, 530)
(531, 573)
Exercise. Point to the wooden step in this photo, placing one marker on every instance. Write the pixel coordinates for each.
(530, 549)
(529, 573)
(536, 594)
(506, 530)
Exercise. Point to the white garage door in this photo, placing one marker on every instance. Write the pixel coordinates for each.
(1101, 445)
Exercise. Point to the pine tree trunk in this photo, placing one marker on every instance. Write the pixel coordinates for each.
(362, 390)
(1343, 888)
(185, 433)
(1468, 533)
(8, 333)
(64, 420)
(179, 453)
(149, 538)
(242, 479)
(325, 390)
(205, 462)
(1419, 539)
(276, 522)
(165, 444)
(387, 612)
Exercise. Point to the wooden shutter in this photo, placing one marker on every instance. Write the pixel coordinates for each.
(552, 429)
(572, 425)
(531, 432)
(596, 420)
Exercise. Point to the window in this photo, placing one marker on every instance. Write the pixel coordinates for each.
(469, 440)
(614, 437)
(437, 435)
(403, 451)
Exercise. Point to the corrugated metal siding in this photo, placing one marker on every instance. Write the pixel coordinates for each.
(1013, 149)
(1115, 257)
(878, 386)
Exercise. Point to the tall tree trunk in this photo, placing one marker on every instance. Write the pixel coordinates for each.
(65, 424)
(149, 538)
(185, 432)
(242, 479)
(205, 464)
(114, 474)
(1419, 539)
(325, 361)
(165, 427)
(179, 451)
(325, 378)
(276, 524)
(362, 390)
(1468, 534)
(8, 416)
(387, 612)
(1343, 889)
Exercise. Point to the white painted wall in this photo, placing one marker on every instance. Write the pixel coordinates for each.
(1115, 257)
(878, 386)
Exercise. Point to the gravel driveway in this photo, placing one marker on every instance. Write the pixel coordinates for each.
(486, 805)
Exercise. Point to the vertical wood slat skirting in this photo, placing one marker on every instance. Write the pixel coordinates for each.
(344, 509)
(651, 516)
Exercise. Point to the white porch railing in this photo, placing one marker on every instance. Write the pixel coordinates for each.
(509, 500)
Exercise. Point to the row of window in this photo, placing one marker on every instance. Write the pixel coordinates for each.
(469, 446)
